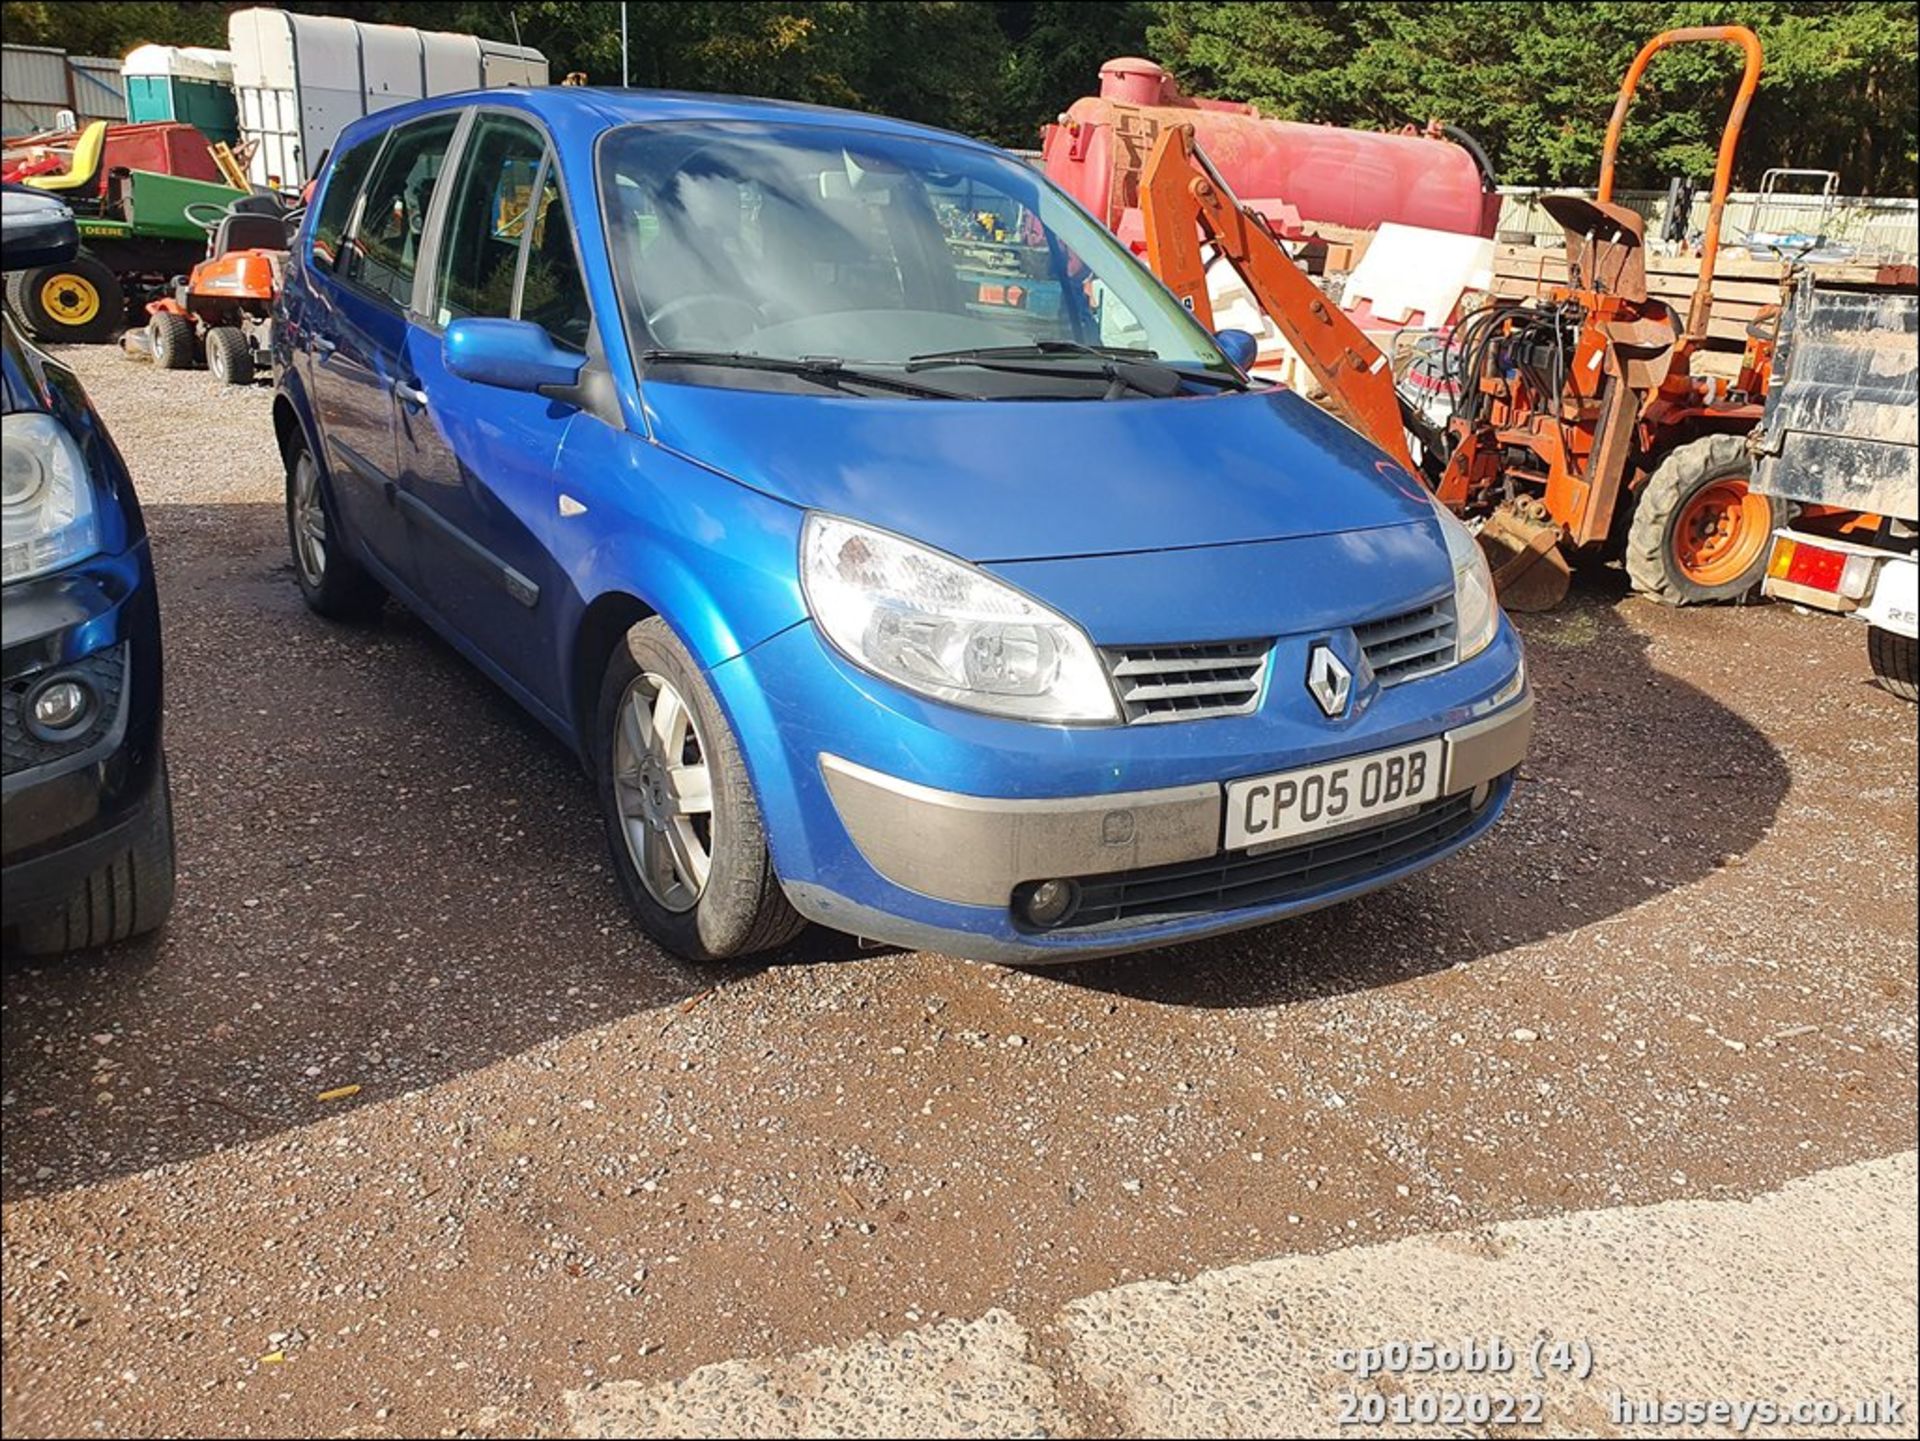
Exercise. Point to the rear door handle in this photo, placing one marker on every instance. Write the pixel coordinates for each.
(410, 394)
(323, 347)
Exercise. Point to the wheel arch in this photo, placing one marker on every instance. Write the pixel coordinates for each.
(603, 624)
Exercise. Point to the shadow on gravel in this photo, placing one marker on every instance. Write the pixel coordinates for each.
(1637, 784)
(388, 875)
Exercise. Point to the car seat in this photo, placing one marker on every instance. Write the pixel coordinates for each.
(83, 173)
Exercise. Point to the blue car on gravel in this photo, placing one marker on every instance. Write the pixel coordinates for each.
(938, 582)
(86, 819)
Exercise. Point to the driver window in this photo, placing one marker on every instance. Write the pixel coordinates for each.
(552, 293)
(487, 220)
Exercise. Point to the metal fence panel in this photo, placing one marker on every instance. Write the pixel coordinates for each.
(1878, 227)
(37, 82)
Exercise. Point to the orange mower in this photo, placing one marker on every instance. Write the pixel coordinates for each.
(223, 311)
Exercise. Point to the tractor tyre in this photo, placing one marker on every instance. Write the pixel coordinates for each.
(171, 339)
(1895, 659)
(230, 355)
(1700, 533)
(79, 303)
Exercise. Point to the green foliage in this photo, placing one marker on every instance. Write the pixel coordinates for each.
(1535, 82)
(1532, 79)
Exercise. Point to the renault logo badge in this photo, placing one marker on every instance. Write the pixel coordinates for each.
(1329, 680)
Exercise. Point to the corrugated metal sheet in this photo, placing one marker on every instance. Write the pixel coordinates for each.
(99, 87)
(37, 82)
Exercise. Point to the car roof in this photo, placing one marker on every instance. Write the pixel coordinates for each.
(575, 114)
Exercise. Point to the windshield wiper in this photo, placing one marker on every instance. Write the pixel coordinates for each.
(1036, 348)
(1140, 371)
(827, 370)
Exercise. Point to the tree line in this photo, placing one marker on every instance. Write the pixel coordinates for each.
(1533, 80)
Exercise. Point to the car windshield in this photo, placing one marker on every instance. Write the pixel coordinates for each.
(858, 252)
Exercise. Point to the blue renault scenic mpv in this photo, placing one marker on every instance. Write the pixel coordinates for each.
(895, 550)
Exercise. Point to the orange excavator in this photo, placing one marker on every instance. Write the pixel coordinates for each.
(1579, 427)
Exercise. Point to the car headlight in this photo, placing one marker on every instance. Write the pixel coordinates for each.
(947, 630)
(1476, 614)
(47, 518)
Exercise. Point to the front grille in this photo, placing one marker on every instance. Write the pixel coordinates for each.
(1188, 682)
(20, 749)
(1406, 647)
(1233, 881)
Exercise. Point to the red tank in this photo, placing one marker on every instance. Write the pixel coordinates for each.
(1298, 175)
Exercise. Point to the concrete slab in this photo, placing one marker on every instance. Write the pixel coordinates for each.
(951, 1378)
(1803, 1295)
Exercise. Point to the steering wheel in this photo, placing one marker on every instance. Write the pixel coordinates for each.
(687, 302)
(219, 214)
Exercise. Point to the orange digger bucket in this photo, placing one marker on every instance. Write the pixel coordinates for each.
(1530, 573)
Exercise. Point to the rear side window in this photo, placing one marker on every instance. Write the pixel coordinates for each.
(480, 252)
(336, 205)
(385, 246)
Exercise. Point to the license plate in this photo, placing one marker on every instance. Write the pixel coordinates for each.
(1264, 809)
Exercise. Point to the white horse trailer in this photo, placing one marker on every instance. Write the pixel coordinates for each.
(301, 79)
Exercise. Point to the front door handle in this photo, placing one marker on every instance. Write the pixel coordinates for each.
(323, 347)
(410, 394)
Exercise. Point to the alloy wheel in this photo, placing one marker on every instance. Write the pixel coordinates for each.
(664, 790)
(309, 522)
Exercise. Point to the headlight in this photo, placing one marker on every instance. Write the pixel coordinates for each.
(946, 629)
(47, 519)
(1476, 615)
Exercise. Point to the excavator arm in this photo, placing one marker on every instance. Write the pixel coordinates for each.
(1182, 196)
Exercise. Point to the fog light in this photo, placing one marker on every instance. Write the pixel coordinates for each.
(60, 706)
(1049, 903)
(1482, 793)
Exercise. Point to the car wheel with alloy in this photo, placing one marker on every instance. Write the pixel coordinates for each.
(332, 582)
(682, 822)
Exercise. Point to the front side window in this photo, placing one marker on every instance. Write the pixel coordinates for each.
(552, 294)
(381, 254)
(480, 254)
(336, 205)
(793, 241)
(508, 247)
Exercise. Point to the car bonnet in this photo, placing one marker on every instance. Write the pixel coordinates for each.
(994, 481)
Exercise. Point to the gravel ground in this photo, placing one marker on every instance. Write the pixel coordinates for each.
(1683, 968)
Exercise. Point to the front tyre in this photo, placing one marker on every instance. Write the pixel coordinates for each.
(687, 839)
(129, 895)
(1700, 532)
(230, 355)
(332, 583)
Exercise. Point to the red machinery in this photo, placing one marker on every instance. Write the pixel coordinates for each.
(1297, 176)
(1581, 427)
(166, 147)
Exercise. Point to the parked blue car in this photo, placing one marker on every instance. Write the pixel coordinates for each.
(945, 585)
(86, 827)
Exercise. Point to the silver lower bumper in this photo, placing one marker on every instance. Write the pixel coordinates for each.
(973, 850)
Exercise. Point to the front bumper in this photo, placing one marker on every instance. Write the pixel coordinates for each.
(68, 802)
(976, 850)
(913, 824)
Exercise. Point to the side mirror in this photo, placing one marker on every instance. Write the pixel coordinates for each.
(512, 354)
(1239, 346)
(36, 230)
